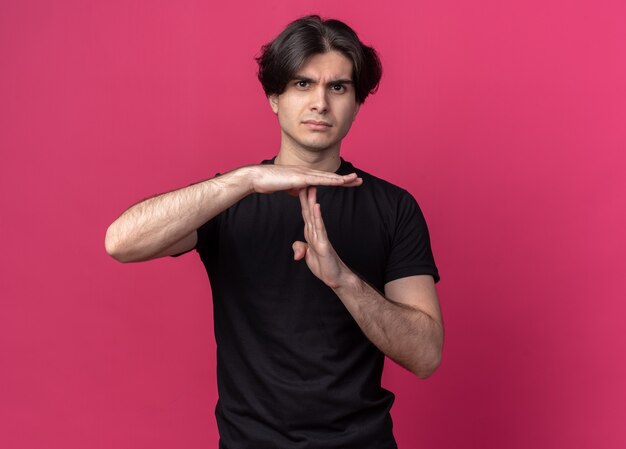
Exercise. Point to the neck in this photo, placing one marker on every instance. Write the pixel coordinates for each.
(324, 160)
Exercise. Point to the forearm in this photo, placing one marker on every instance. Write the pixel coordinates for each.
(406, 334)
(149, 227)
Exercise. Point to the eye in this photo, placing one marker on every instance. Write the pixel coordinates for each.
(338, 88)
(302, 84)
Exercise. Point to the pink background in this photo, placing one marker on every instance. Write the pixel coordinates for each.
(506, 120)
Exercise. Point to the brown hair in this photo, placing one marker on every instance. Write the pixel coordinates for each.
(281, 58)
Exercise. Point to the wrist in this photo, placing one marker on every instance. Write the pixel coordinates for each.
(244, 178)
(250, 176)
(347, 280)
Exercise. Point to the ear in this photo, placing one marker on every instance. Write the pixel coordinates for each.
(273, 100)
(356, 110)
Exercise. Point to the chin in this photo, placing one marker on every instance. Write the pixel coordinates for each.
(317, 148)
(317, 145)
(312, 142)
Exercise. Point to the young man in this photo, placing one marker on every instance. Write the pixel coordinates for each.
(305, 305)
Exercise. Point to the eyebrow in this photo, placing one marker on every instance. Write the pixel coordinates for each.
(312, 81)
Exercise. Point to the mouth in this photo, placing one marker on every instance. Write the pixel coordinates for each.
(317, 124)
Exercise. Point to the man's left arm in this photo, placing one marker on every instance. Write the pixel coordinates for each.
(405, 323)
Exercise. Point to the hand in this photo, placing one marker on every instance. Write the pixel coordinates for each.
(293, 178)
(319, 254)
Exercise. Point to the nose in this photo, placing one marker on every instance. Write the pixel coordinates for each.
(319, 101)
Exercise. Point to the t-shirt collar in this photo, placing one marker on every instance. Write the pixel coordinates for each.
(345, 168)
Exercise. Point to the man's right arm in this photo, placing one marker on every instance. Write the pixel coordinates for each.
(166, 224)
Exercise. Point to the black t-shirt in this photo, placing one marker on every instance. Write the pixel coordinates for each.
(294, 369)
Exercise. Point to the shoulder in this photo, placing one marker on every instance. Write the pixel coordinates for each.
(396, 205)
(381, 188)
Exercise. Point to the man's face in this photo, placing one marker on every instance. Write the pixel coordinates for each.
(318, 106)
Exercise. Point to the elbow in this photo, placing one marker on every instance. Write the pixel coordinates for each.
(113, 247)
(430, 358)
(427, 369)
(429, 361)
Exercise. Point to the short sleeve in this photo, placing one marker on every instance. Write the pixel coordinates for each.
(411, 253)
(206, 234)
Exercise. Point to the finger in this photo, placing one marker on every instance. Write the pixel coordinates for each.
(302, 194)
(350, 177)
(327, 178)
(312, 196)
(299, 250)
(351, 180)
(320, 228)
(312, 201)
(355, 183)
(306, 214)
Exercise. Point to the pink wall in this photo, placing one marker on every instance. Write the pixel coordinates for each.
(505, 119)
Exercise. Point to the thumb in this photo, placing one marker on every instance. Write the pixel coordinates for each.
(299, 249)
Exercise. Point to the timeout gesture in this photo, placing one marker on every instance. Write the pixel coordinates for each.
(318, 252)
